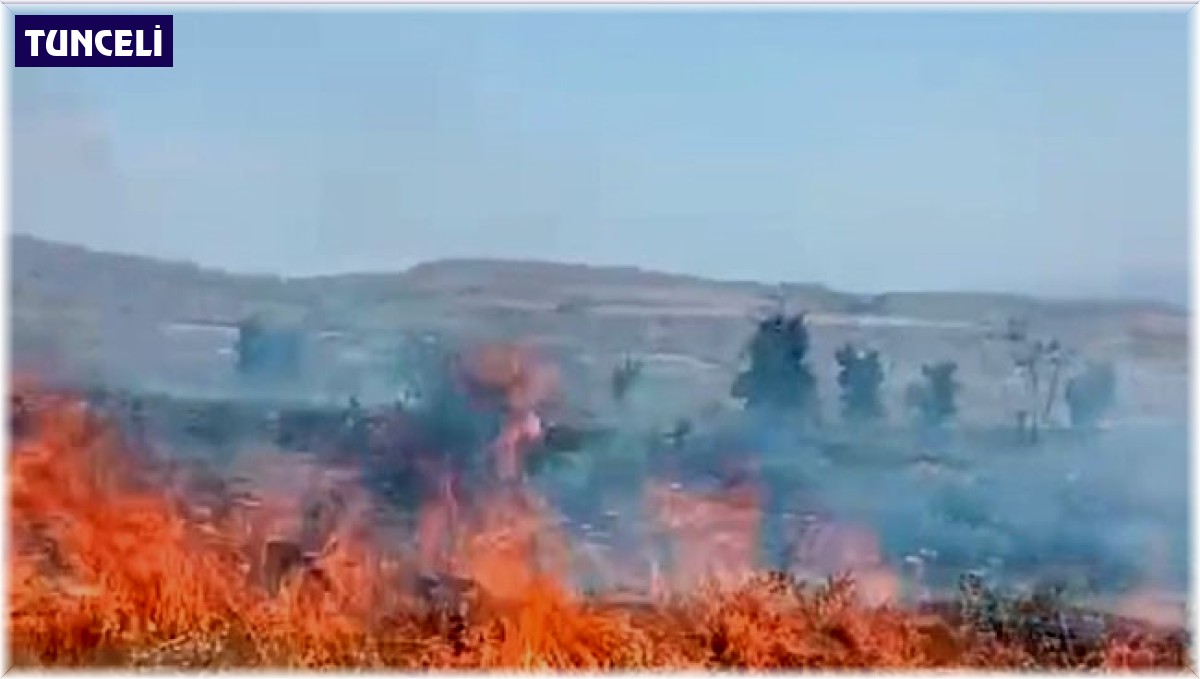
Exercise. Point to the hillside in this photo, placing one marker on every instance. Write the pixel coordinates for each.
(127, 318)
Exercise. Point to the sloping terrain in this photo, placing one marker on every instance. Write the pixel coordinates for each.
(1082, 507)
(132, 319)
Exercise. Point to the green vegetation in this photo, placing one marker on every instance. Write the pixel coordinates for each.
(778, 378)
(624, 376)
(934, 398)
(266, 353)
(1091, 394)
(860, 376)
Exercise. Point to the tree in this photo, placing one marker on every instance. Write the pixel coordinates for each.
(267, 353)
(249, 338)
(1091, 394)
(935, 398)
(624, 376)
(860, 376)
(1033, 359)
(777, 377)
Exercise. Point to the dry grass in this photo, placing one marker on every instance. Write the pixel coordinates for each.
(108, 568)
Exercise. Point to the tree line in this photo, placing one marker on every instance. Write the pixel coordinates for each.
(778, 378)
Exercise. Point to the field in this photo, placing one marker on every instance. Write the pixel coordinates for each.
(119, 561)
(164, 326)
(201, 540)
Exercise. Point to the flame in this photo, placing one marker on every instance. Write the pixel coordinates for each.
(712, 537)
(823, 547)
(123, 560)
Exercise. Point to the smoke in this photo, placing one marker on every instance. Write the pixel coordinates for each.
(1104, 514)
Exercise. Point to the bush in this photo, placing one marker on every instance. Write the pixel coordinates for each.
(267, 353)
(860, 376)
(935, 398)
(624, 376)
(1091, 394)
(778, 378)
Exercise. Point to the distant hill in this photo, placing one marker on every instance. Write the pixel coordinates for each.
(129, 317)
(41, 267)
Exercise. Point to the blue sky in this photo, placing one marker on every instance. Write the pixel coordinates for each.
(1027, 151)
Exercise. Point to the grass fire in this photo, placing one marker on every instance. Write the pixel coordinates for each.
(605, 341)
(124, 555)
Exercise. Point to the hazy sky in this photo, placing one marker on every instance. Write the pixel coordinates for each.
(867, 150)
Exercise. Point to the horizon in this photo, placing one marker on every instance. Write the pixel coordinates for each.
(1005, 151)
(1183, 308)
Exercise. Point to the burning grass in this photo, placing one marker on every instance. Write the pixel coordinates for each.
(121, 561)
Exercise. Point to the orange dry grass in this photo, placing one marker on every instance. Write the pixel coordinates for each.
(100, 561)
(711, 536)
(107, 568)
